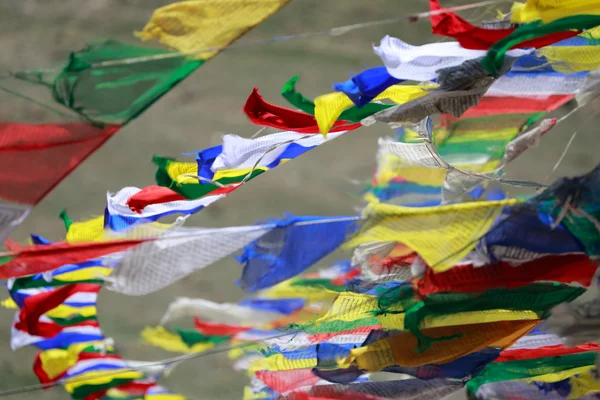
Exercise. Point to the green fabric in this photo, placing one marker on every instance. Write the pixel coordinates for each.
(319, 282)
(191, 337)
(5, 259)
(523, 369)
(83, 391)
(77, 319)
(66, 219)
(336, 326)
(352, 114)
(30, 283)
(580, 227)
(194, 190)
(114, 94)
(536, 297)
(494, 60)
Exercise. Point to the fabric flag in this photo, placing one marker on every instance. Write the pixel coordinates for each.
(549, 11)
(574, 55)
(557, 367)
(352, 114)
(441, 235)
(329, 107)
(36, 158)
(226, 313)
(132, 206)
(577, 198)
(30, 260)
(527, 233)
(469, 279)
(262, 113)
(472, 37)
(237, 160)
(294, 245)
(408, 389)
(421, 63)
(149, 267)
(402, 349)
(96, 82)
(493, 62)
(364, 87)
(194, 25)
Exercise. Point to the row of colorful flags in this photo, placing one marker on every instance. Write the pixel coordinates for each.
(451, 286)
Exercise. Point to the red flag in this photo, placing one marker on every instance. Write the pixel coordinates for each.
(285, 381)
(473, 37)
(37, 305)
(262, 113)
(35, 158)
(546, 351)
(34, 259)
(470, 279)
(217, 329)
(159, 195)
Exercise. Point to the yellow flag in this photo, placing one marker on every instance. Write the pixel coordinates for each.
(551, 10)
(328, 107)
(194, 25)
(160, 337)
(569, 59)
(441, 235)
(9, 303)
(402, 350)
(93, 231)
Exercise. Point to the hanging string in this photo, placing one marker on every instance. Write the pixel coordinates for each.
(333, 32)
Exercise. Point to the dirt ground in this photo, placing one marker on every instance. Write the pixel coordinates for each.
(40, 34)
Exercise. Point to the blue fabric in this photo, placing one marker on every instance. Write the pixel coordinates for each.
(205, 160)
(529, 229)
(281, 306)
(328, 354)
(65, 339)
(117, 222)
(367, 85)
(291, 248)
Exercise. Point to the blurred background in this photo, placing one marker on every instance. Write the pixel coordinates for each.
(41, 33)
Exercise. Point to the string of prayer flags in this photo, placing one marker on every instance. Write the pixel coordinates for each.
(237, 160)
(262, 113)
(58, 315)
(472, 37)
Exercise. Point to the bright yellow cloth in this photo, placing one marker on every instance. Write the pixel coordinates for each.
(97, 378)
(441, 235)
(64, 311)
(195, 25)
(9, 303)
(396, 321)
(84, 274)
(551, 10)
(57, 361)
(569, 59)
(277, 362)
(287, 289)
(160, 337)
(402, 349)
(93, 231)
(329, 107)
